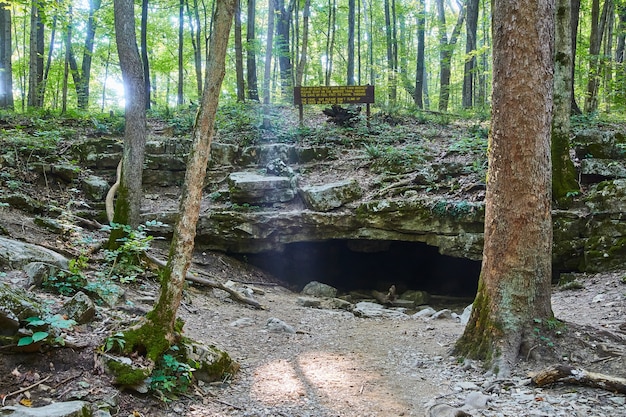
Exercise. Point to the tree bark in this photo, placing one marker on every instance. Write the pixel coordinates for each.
(391, 67)
(563, 171)
(6, 66)
(419, 73)
(241, 88)
(351, 25)
(446, 48)
(181, 64)
(163, 315)
(35, 65)
(598, 24)
(469, 70)
(306, 13)
(144, 52)
(283, 47)
(514, 285)
(128, 204)
(251, 47)
(268, 65)
(575, 19)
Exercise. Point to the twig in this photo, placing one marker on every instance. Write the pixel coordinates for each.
(19, 391)
(67, 380)
(226, 403)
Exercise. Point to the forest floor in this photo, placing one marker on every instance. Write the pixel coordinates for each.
(335, 363)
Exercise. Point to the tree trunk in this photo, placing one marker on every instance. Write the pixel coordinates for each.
(574, 23)
(128, 205)
(241, 88)
(598, 24)
(306, 13)
(283, 47)
(144, 51)
(330, 40)
(419, 73)
(194, 26)
(351, 25)
(181, 64)
(163, 316)
(6, 66)
(446, 48)
(66, 61)
(251, 47)
(514, 286)
(267, 75)
(469, 70)
(35, 65)
(563, 171)
(391, 68)
(608, 57)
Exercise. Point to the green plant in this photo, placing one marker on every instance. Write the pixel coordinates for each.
(171, 376)
(68, 282)
(125, 261)
(115, 342)
(46, 329)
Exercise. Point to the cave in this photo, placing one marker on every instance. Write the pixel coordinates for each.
(371, 265)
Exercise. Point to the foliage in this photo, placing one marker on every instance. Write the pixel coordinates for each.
(125, 261)
(70, 281)
(172, 375)
(396, 159)
(46, 329)
(115, 343)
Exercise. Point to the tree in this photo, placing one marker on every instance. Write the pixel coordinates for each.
(194, 25)
(268, 65)
(469, 70)
(392, 51)
(241, 88)
(158, 332)
(35, 65)
(251, 77)
(514, 284)
(419, 72)
(129, 195)
(598, 25)
(282, 45)
(181, 65)
(6, 67)
(144, 51)
(351, 24)
(306, 13)
(446, 48)
(574, 28)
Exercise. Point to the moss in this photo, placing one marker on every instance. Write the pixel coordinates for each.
(148, 340)
(126, 374)
(564, 184)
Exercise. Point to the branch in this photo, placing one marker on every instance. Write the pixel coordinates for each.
(572, 375)
(208, 283)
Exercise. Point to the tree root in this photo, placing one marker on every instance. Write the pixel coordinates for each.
(208, 283)
(573, 375)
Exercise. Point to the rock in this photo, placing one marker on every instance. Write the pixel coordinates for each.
(465, 316)
(16, 305)
(476, 400)
(604, 168)
(95, 188)
(126, 373)
(424, 313)
(79, 308)
(242, 322)
(318, 289)
(592, 143)
(251, 188)
(39, 271)
(442, 314)
(108, 292)
(309, 302)
(210, 363)
(444, 410)
(330, 196)
(369, 309)
(337, 303)
(418, 297)
(403, 303)
(63, 409)
(23, 202)
(279, 168)
(18, 254)
(278, 326)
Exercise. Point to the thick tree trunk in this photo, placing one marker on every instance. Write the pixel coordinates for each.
(469, 70)
(128, 205)
(563, 171)
(163, 315)
(514, 286)
(253, 88)
(6, 66)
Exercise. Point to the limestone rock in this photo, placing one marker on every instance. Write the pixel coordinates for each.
(63, 409)
(327, 197)
(95, 187)
(372, 310)
(79, 308)
(417, 297)
(278, 326)
(251, 188)
(38, 271)
(210, 363)
(319, 289)
(15, 305)
(18, 254)
(313, 302)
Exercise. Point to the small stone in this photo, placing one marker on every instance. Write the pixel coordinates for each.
(476, 400)
(277, 325)
(242, 322)
(443, 314)
(319, 289)
(425, 313)
(309, 302)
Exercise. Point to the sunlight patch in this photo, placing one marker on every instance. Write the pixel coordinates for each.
(277, 382)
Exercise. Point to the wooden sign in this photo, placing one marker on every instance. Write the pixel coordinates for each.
(344, 94)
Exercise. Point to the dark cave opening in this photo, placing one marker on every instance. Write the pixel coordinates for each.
(371, 265)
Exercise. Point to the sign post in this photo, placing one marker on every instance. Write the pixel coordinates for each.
(345, 94)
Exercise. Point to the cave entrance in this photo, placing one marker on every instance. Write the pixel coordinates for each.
(371, 265)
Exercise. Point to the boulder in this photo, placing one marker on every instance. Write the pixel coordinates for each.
(37, 272)
(79, 308)
(327, 197)
(16, 305)
(18, 254)
(252, 188)
(319, 289)
(210, 363)
(602, 168)
(62, 409)
(95, 187)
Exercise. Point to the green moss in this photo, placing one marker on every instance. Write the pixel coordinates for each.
(126, 374)
(564, 184)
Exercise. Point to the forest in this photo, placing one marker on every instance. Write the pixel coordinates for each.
(433, 55)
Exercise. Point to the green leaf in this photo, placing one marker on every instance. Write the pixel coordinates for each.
(24, 341)
(38, 336)
(35, 321)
